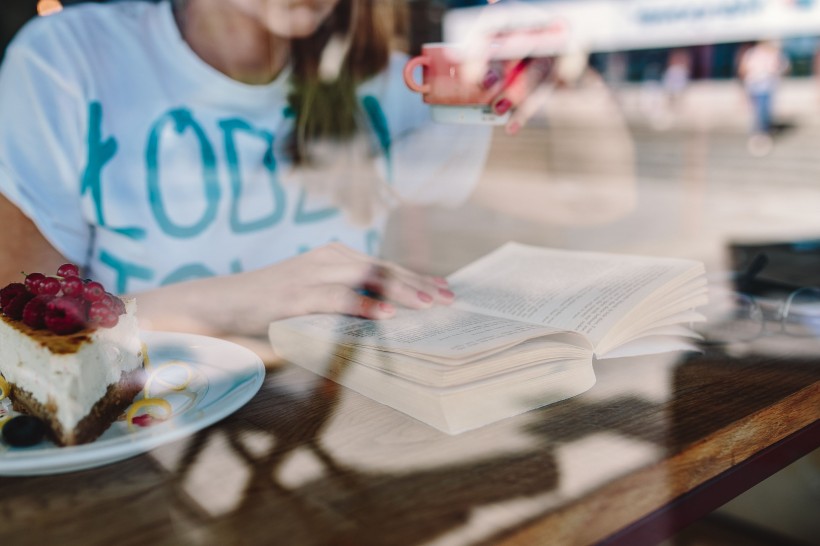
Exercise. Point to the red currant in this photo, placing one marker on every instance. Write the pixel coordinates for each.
(100, 312)
(115, 303)
(97, 310)
(93, 291)
(144, 420)
(49, 286)
(72, 287)
(68, 270)
(109, 320)
(33, 281)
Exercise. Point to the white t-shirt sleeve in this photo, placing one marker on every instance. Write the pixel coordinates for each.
(429, 163)
(439, 164)
(41, 151)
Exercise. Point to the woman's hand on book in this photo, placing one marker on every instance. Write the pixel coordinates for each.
(329, 279)
(337, 279)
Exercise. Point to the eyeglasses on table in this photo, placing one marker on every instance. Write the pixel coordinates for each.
(733, 315)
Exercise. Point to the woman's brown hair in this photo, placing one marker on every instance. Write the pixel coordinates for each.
(326, 107)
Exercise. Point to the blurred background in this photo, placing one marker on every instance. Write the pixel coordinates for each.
(711, 184)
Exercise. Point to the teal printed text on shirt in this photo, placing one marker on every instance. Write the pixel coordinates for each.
(244, 170)
(125, 271)
(230, 127)
(378, 121)
(182, 121)
(100, 152)
(305, 216)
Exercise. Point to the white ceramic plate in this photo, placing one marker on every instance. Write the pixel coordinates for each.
(219, 377)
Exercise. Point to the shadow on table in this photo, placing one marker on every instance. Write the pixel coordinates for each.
(343, 505)
(347, 505)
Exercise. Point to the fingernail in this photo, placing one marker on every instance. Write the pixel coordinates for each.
(441, 281)
(490, 79)
(386, 307)
(424, 296)
(513, 127)
(502, 106)
(446, 293)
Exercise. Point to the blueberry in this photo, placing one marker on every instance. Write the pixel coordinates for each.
(24, 431)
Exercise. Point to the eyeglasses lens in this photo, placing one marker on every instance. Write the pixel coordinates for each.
(801, 314)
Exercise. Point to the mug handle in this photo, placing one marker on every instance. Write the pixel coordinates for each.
(411, 65)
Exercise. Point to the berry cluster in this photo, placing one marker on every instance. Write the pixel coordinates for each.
(63, 304)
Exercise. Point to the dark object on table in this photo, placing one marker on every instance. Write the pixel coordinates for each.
(776, 268)
(24, 431)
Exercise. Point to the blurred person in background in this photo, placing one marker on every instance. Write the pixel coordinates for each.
(676, 77)
(233, 162)
(760, 69)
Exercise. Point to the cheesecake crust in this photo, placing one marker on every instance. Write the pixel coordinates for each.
(107, 409)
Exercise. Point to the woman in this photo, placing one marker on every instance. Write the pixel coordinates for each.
(165, 149)
(231, 162)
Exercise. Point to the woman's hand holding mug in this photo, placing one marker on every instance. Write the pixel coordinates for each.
(506, 91)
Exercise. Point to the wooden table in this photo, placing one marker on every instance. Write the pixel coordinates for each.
(657, 443)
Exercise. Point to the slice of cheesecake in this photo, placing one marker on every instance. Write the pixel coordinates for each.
(78, 382)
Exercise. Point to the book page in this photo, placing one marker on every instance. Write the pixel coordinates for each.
(443, 331)
(584, 292)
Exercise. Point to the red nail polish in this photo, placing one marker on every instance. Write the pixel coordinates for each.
(490, 79)
(424, 296)
(446, 293)
(502, 106)
(513, 128)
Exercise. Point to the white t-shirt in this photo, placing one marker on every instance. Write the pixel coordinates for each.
(144, 164)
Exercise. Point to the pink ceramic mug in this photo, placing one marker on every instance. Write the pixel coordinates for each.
(452, 96)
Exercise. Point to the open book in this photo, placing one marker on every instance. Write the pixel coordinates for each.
(522, 333)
